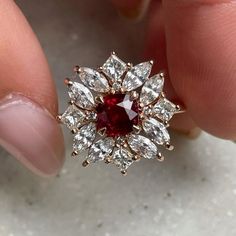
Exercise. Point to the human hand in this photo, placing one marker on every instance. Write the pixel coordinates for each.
(195, 41)
(28, 129)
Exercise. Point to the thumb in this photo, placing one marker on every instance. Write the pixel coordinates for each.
(28, 101)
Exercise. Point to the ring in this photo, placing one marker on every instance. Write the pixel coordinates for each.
(118, 113)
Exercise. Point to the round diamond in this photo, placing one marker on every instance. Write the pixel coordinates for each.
(117, 114)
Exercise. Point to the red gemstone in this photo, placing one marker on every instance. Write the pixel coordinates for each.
(117, 114)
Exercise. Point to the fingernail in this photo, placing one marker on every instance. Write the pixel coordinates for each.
(134, 11)
(31, 134)
(191, 134)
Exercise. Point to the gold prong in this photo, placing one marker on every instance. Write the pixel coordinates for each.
(122, 90)
(74, 153)
(113, 91)
(71, 102)
(113, 53)
(169, 146)
(74, 131)
(77, 69)
(136, 158)
(99, 99)
(58, 118)
(162, 74)
(166, 123)
(151, 62)
(160, 157)
(129, 65)
(68, 82)
(102, 131)
(123, 172)
(100, 69)
(125, 145)
(136, 129)
(162, 95)
(85, 163)
(108, 160)
(142, 115)
(134, 95)
(141, 104)
(179, 109)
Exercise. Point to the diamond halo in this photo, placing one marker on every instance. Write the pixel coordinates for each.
(118, 113)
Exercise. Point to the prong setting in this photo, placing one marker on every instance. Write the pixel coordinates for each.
(160, 157)
(58, 118)
(85, 163)
(74, 154)
(77, 69)
(99, 99)
(169, 146)
(68, 82)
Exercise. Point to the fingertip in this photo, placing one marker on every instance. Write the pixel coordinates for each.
(30, 133)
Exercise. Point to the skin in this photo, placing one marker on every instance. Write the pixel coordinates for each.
(193, 39)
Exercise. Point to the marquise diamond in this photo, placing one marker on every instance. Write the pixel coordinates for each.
(136, 76)
(143, 146)
(81, 95)
(151, 89)
(156, 130)
(93, 80)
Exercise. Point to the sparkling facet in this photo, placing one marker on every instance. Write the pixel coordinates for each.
(164, 109)
(114, 68)
(100, 150)
(122, 158)
(73, 117)
(156, 130)
(93, 80)
(85, 137)
(81, 95)
(151, 89)
(117, 114)
(136, 76)
(143, 146)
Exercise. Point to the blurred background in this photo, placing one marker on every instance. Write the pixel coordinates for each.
(192, 193)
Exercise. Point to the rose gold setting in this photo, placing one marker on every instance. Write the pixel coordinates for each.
(154, 112)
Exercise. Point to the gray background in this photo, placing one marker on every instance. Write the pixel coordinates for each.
(192, 193)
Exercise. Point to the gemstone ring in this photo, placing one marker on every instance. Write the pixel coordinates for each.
(118, 113)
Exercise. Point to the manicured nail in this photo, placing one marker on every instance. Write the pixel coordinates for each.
(134, 10)
(31, 135)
